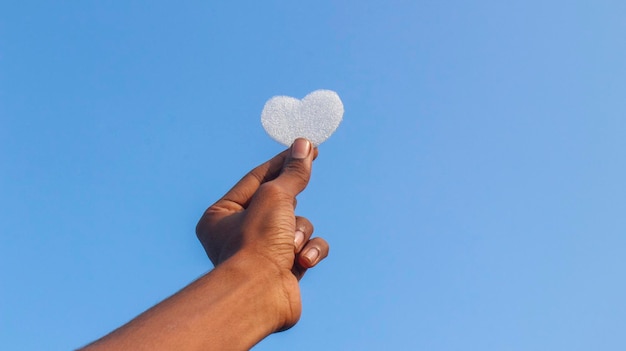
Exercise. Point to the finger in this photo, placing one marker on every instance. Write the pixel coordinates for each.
(304, 230)
(313, 252)
(239, 196)
(296, 171)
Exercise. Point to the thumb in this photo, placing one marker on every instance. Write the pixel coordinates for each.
(296, 171)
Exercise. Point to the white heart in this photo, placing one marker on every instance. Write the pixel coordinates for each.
(316, 117)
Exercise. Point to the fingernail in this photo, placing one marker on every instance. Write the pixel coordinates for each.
(312, 254)
(298, 238)
(300, 148)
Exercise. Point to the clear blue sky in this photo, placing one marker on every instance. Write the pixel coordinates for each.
(474, 196)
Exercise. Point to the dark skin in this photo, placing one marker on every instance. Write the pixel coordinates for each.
(260, 250)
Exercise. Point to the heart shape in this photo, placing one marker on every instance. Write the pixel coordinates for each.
(316, 117)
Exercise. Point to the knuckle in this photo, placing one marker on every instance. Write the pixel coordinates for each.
(304, 222)
(271, 189)
(297, 170)
(275, 191)
(255, 173)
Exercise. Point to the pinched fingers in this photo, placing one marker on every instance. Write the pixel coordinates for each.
(296, 171)
(239, 196)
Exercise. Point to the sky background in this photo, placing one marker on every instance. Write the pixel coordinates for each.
(474, 196)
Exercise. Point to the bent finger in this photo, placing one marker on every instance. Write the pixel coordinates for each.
(238, 197)
(304, 230)
(313, 252)
(296, 171)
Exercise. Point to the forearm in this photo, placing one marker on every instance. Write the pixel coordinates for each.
(231, 308)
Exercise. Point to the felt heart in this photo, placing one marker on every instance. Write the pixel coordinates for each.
(316, 117)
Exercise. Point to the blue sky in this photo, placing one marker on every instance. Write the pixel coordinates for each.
(473, 197)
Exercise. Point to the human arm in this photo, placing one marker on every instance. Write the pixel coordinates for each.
(260, 250)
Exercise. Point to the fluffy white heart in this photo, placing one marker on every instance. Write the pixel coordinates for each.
(316, 117)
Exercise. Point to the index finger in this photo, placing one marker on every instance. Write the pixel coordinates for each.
(238, 197)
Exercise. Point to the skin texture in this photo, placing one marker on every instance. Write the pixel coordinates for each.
(260, 250)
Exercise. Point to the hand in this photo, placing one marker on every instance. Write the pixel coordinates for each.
(255, 222)
(260, 250)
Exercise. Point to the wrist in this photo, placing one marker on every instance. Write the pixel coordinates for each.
(276, 298)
